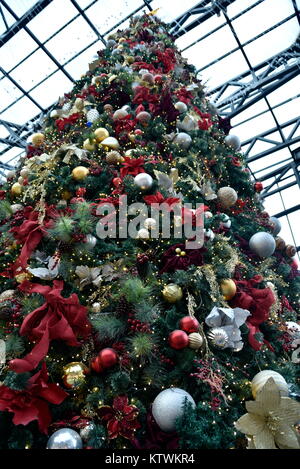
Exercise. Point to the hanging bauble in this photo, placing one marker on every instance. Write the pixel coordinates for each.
(189, 324)
(172, 293)
(228, 288)
(169, 406)
(10, 175)
(74, 375)
(178, 339)
(96, 365)
(96, 307)
(183, 140)
(110, 43)
(143, 117)
(181, 107)
(227, 196)
(110, 143)
(280, 243)
(258, 186)
(150, 223)
(24, 172)
(89, 145)
(108, 357)
(148, 78)
(195, 340)
(262, 377)
(38, 139)
(276, 225)
(108, 108)
(209, 235)
(54, 114)
(20, 180)
(65, 438)
(113, 157)
(290, 250)
(218, 337)
(143, 180)
(90, 241)
(226, 222)
(79, 173)
(100, 134)
(233, 141)
(143, 233)
(117, 182)
(126, 108)
(92, 115)
(262, 244)
(16, 189)
(16, 207)
(208, 215)
(85, 432)
(119, 114)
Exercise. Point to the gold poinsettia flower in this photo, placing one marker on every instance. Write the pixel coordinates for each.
(270, 419)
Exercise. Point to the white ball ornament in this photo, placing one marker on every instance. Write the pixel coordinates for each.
(227, 196)
(24, 172)
(181, 107)
(143, 117)
(209, 234)
(208, 215)
(293, 328)
(143, 233)
(262, 244)
(65, 438)
(168, 406)
(262, 377)
(183, 140)
(233, 141)
(226, 222)
(276, 224)
(150, 223)
(110, 43)
(91, 241)
(143, 180)
(10, 175)
(119, 114)
(16, 207)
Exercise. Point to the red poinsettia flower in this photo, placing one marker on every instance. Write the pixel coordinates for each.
(184, 95)
(2, 195)
(124, 125)
(132, 166)
(32, 403)
(121, 418)
(158, 198)
(61, 123)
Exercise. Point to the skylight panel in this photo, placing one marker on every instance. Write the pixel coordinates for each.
(170, 11)
(285, 91)
(187, 39)
(287, 111)
(21, 6)
(33, 70)
(105, 14)
(18, 47)
(80, 64)
(21, 112)
(8, 93)
(49, 91)
(238, 6)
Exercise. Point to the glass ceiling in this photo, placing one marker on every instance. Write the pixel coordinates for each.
(47, 44)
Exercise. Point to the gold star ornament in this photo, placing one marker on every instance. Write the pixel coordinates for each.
(271, 419)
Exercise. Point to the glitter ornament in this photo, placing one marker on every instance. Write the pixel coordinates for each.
(74, 375)
(280, 243)
(16, 189)
(38, 139)
(168, 406)
(290, 250)
(113, 157)
(227, 196)
(172, 293)
(195, 340)
(143, 117)
(143, 180)
(92, 115)
(148, 78)
(218, 337)
(65, 438)
(228, 288)
(262, 377)
(262, 244)
(79, 173)
(183, 140)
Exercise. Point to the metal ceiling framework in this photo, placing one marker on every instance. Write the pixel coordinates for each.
(231, 98)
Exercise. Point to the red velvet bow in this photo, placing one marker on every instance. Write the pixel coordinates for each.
(258, 302)
(61, 123)
(132, 166)
(29, 234)
(58, 318)
(158, 198)
(32, 403)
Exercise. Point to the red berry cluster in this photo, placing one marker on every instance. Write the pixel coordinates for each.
(78, 237)
(138, 326)
(166, 360)
(142, 259)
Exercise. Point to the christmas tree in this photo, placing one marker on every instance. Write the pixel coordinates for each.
(146, 301)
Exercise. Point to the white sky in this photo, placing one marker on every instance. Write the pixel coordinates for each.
(104, 14)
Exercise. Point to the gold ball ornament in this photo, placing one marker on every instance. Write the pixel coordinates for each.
(113, 157)
(195, 340)
(66, 195)
(110, 143)
(38, 139)
(100, 134)
(262, 377)
(88, 145)
(228, 288)
(79, 173)
(172, 293)
(74, 375)
(227, 196)
(16, 189)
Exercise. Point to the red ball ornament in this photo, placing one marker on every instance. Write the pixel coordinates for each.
(117, 182)
(96, 365)
(138, 132)
(189, 324)
(178, 339)
(108, 357)
(258, 186)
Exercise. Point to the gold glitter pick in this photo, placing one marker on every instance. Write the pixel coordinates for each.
(153, 12)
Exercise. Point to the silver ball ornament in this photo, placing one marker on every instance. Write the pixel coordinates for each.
(168, 406)
(143, 234)
(181, 107)
(96, 307)
(263, 244)
(92, 115)
(91, 241)
(16, 207)
(277, 225)
(65, 438)
(183, 140)
(218, 337)
(143, 180)
(85, 432)
(233, 141)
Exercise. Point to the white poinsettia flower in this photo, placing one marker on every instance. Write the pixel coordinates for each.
(49, 273)
(88, 275)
